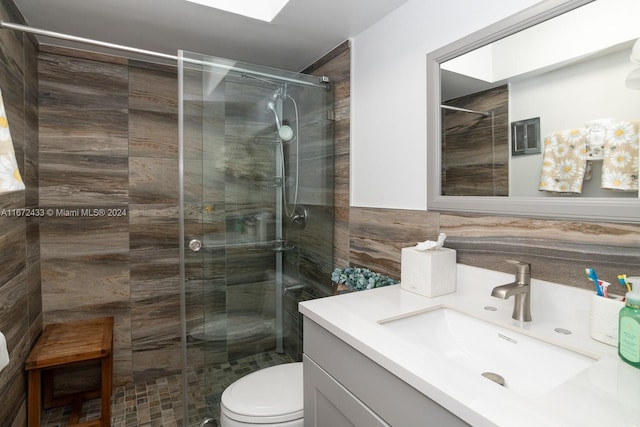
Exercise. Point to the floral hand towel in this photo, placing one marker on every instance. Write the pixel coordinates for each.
(564, 161)
(621, 151)
(10, 179)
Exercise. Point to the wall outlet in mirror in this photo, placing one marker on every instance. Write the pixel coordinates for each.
(525, 137)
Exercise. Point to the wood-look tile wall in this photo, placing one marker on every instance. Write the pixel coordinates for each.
(109, 140)
(475, 148)
(20, 301)
(559, 251)
(337, 66)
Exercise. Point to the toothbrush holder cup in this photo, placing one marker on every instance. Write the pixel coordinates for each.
(604, 319)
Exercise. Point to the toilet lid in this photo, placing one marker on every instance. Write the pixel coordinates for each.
(270, 395)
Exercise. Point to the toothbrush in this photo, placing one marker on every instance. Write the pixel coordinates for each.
(591, 274)
(605, 288)
(622, 279)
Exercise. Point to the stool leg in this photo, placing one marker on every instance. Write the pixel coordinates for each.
(33, 402)
(107, 371)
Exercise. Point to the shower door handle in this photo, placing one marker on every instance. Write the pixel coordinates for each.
(195, 245)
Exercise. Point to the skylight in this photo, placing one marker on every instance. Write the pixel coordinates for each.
(264, 10)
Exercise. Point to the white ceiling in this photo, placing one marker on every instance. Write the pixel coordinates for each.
(303, 32)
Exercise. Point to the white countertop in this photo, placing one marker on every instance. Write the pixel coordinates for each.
(607, 393)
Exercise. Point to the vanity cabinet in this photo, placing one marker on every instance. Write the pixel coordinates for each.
(342, 387)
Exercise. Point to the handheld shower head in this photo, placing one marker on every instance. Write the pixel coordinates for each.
(272, 106)
(284, 131)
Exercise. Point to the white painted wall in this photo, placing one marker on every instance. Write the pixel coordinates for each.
(388, 140)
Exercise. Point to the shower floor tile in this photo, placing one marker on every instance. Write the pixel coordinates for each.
(159, 403)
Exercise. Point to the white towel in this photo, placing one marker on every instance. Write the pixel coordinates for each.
(4, 353)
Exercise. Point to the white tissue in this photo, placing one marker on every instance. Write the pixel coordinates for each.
(429, 245)
(4, 354)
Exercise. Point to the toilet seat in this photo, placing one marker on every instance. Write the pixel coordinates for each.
(270, 395)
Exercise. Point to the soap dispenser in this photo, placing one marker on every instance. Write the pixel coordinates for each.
(629, 330)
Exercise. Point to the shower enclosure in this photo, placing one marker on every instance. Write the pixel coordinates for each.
(256, 213)
(475, 144)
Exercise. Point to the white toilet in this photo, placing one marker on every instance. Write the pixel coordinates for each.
(270, 397)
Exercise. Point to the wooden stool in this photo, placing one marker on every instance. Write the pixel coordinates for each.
(62, 344)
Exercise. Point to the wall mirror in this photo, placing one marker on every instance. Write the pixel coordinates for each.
(568, 63)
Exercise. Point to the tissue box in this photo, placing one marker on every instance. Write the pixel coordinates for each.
(429, 273)
(603, 324)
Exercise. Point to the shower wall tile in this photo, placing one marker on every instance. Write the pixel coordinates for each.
(155, 335)
(30, 168)
(195, 181)
(80, 132)
(250, 318)
(153, 87)
(78, 180)
(83, 282)
(14, 230)
(79, 84)
(154, 271)
(11, 42)
(248, 263)
(83, 132)
(311, 260)
(20, 309)
(82, 54)
(206, 314)
(15, 326)
(34, 294)
(337, 66)
(71, 236)
(14, 308)
(85, 260)
(341, 237)
(153, 180)
(153, 226)
(153, 134)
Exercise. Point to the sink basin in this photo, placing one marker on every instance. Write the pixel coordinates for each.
(523, 364)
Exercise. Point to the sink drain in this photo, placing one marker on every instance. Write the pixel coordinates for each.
(498, 379)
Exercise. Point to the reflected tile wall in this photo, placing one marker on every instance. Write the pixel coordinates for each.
(476, 148)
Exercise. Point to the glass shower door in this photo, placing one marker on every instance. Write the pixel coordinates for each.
(257, 203)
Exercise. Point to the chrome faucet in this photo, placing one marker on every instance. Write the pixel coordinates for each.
(520, 289)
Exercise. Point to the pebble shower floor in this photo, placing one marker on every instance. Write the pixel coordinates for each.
(159, 403)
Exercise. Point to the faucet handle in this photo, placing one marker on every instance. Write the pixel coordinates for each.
(522, 268)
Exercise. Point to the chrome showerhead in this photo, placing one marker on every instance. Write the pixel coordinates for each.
(272, 106)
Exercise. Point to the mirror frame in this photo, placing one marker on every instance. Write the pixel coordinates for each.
(575, 208)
